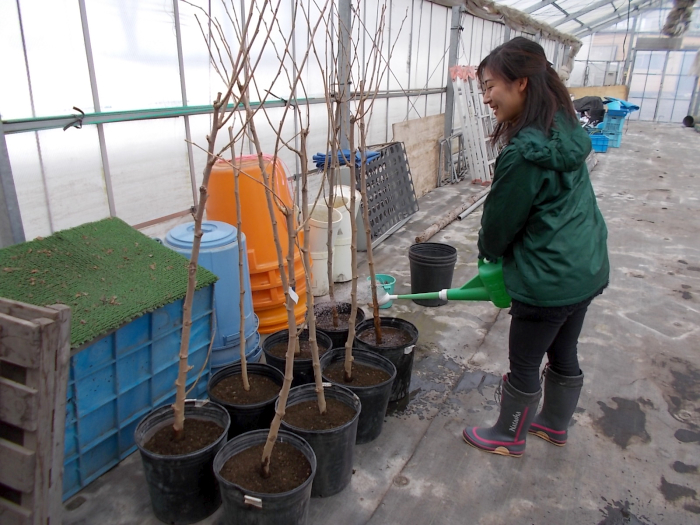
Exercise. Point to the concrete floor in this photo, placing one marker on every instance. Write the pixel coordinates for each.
(634, 448)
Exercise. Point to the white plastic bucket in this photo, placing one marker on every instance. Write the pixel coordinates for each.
(342, 260)
(318, 223)
(342, 204)
(319, 276)
(342, 200)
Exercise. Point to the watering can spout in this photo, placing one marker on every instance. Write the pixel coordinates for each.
(487, 285)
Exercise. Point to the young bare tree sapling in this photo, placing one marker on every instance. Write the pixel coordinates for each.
(238, 63)
(241, 269)
(290, 295)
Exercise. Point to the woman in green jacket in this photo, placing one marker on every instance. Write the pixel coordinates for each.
(542, 219)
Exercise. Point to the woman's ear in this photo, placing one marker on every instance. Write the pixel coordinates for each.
(521, 84)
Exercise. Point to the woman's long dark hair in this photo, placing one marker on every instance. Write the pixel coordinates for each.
(545, 93)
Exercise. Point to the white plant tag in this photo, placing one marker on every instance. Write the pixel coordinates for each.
(294, 296)
(408, 349)
(253, 502)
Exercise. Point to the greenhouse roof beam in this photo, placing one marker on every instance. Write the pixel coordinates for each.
(606, 21)
(538, 6)
(581, 12)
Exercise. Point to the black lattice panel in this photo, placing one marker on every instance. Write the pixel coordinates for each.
(390, 192)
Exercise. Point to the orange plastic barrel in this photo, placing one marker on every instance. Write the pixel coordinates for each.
(275, 318)
(265, 279)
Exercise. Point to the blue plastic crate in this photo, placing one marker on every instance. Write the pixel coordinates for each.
(599, 142)
(622, 112)
(612, 123)
(118, 379)
(614, 138)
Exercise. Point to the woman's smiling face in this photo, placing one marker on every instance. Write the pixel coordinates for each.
(507, 99)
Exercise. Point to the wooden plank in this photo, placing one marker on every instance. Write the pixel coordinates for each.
(19, 341)
(41, 441)
(25, 311)
(421, 140)
(12, 514)
(17, 466)
(61, 369)
(599, 91)
(18, 404)
(42, 346)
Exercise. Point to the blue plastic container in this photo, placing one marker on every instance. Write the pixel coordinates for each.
(599, 142)
(229, 355)
(614, 139)
(218, 253)
(119, 378)
(620, 112)
(613, 124)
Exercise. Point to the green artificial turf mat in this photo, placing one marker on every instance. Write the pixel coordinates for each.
(106, 271)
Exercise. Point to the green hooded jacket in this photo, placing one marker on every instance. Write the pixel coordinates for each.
(541, 216)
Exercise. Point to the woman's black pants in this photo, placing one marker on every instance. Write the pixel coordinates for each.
(536, 331)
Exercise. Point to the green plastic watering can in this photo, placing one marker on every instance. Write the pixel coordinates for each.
(487, 285)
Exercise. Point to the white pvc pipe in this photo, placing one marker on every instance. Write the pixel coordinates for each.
(472, 207)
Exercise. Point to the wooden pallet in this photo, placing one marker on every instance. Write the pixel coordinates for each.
(34, 364)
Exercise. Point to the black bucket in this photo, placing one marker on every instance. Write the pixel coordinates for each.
(334, 448)
(401, 356)
(303, 368)
(432, 265)
(247, 417)
(183, 488)
(245, 507)
(374, 398)
(338, 336)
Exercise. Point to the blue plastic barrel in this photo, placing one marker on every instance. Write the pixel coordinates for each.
(228, 355)
(231, 355)
(218, 253)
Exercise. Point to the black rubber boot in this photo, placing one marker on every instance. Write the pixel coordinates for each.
(507, 436)
(560, 398)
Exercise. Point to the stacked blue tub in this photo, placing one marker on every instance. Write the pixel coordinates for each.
(614, 121)
(219, 254)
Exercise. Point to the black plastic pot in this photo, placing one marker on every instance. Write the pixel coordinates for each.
(432, 266)
(183, 488)
(338, 336)
(303, 368)
(247, 417)
(334, 448)
(374, 398)
(245, 507)
(401, 356)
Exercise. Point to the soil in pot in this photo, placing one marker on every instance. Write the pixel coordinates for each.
(398, 340)
(231, 389)
(331, 436)
(280, 350)
(391, 337)
(372, 381)
(196, 435)
(182, 484)
(306, 415)
(289, 468)
(362, 375)
(276, 508)
(324, 316)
